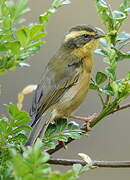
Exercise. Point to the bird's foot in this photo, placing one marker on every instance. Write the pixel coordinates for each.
(63, 144)
(88, 120)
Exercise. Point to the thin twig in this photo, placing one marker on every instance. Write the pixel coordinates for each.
(121, 108)
(101, 98)
(107, 164)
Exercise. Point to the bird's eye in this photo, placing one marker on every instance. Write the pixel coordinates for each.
(86, 35)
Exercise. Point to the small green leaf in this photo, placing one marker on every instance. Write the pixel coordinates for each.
(22, 37)
(50, 130)
(43, 18)
(100, 78)
(20, 117)
(101, 3)
(123, 36)
(101, 52)
(20, 138)
(104, 42)
(118, 15)
(3, 47)
(73, 125)
(14, 46)
(111, 71)
(35, 31)
(45, 169)
(20, 167)
(37, 151)
(127, 10)
(122, 55)
(21, 128)
(62, 138)
(93, 86)
(21, 8)
(115, 87)
(77, 169)
(61, 124)
(124, 5)
(58, 3)
(107, 90)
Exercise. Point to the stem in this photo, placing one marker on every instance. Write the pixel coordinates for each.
(99, 94)
(104, 113)
(101, 98)
(106, 164)
(122, 108)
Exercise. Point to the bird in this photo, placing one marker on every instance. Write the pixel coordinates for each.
(65, 80)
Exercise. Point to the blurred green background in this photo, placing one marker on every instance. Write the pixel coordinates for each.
(109, 140)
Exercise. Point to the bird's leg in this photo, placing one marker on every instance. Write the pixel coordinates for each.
(63, 144)
(87, 120)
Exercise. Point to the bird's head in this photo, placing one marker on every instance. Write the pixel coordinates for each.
(82, 39)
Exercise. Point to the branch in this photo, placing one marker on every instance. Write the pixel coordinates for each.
(84, 128)
(121, 108)
(107, 164)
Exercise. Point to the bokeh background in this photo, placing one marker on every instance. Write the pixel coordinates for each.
(109, 140)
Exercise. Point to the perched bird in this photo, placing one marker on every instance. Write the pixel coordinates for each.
(65, 81)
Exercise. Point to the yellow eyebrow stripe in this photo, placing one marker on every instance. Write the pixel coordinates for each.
(74, 34)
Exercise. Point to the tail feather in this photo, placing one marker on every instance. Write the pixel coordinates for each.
(39, 128)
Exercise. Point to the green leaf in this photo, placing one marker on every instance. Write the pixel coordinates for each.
(20, 167)
(43, 18)
(21, 128)
(13, 46)
(61, 131)
(107, 90)
(3, 125)
(111, 71)
(101, 52)
(37, 151)
(124, 5)
(104, 42)
(115, 87)
(50, 130)
(3, 47)
(93, 86)
(102, 4)
(21, 8)
(19, 139)
(123, 36)
(35, 31)
(63, 138)
(61, 124)
(72, 125)
(67, 176)
(77, 169)
(22, 37)
(105, 13)
(122, 55)
(100, 78)
(58, 3)
(20, 117)
(44, 169)
(127, 10)
(118, 15)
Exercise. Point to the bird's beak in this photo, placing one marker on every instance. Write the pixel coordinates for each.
(97, 36)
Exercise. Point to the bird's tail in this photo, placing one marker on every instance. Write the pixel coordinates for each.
(39, 128)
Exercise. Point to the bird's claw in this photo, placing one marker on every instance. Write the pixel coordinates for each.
(88, 120)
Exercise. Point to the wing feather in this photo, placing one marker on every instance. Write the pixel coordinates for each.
(55, 82)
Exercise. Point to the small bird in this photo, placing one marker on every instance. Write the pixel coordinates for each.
(65, 81)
